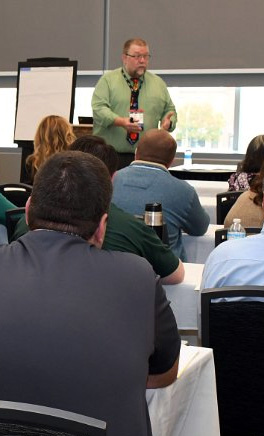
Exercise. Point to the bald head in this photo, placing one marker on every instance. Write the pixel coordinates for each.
(156, 145)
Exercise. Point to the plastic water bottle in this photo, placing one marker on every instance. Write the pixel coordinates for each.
(187, 159)
(236, 231)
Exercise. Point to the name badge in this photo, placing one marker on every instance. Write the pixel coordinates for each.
(137, 116)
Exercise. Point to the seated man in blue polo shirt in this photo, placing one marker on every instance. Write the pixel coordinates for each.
(148, 180)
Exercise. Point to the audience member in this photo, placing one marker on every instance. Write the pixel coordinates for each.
(5, 204)
(236, 262)
(249, 167)
(147, 180)
(54, 134)
(124, 232)
(248, 206)
(82, 329)
(117, 91)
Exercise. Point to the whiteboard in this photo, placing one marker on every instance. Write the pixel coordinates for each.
(41, 91)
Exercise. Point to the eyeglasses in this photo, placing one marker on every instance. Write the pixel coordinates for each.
(137, 57)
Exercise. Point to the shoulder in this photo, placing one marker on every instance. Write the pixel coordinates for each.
(122, 173)
(239, 181)
(154, 78)
(110, 76)
(236, 249)
(182, 186)
(128, 267)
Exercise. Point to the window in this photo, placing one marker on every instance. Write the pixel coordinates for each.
(205, 118)
(210, 119)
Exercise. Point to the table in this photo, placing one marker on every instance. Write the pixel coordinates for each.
(203, 172)
(184, 297)
(207, 191)
(188, 407)
(198, 248)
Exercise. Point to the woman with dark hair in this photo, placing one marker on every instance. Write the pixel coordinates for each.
(248, 206)
(249, 167)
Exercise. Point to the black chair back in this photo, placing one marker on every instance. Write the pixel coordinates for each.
(17, 193)
(224, 202)
(233, 325)
(27, 419)
(221, 234)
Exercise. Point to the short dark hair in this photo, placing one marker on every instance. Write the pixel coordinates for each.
(97, 146)
(71, 192)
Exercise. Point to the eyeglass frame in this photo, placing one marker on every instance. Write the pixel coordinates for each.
(137, 57)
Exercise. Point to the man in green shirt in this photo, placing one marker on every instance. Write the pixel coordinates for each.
(116, 116)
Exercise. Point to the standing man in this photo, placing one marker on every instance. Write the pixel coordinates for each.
(129, 100)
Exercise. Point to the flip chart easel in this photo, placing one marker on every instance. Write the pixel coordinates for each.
(43, 88)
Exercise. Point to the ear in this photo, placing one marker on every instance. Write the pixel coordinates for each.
(98, 237)
(27, 208)
(113, 176)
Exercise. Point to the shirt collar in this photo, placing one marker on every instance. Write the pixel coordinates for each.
(149, 164)
(141, 79)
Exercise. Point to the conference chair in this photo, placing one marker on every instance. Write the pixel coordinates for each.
(17, 193)
(27, 419)
(224, 202)
(221, 234)
(232, 321)
(12, 218)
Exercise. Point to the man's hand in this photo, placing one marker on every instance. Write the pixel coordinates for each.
(127, 124)
(167, 120)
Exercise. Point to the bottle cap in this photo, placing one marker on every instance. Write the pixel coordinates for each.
(236, 220)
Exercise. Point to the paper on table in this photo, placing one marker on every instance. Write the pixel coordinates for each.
(187, 355)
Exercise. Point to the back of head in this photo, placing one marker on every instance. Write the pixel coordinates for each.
(71, 192)
(254, 156)
(137, 41)
(54, 134)
(97, 146)
(156, 145)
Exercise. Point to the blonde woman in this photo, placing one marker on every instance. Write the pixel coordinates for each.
(54, 134)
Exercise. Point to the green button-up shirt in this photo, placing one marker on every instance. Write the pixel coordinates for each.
(111, 99)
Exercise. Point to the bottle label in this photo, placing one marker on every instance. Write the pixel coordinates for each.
(235, 235)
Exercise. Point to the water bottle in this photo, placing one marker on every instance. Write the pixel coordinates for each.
(187, 159)
(236, 231)
(154, 218)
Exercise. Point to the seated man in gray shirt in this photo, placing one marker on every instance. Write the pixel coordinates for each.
(81, 329)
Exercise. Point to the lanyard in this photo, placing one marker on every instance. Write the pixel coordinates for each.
(129, 84)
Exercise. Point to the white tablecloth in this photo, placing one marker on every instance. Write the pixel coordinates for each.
(188, 407)
(184, 297)
(198, 248)
(207, 191)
